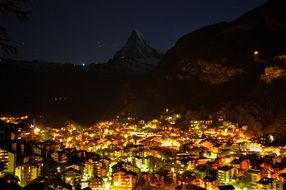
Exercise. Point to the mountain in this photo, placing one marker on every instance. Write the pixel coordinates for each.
(240, 47)
(136, 56)
(235, 69)
(238, 67)
(60, 90)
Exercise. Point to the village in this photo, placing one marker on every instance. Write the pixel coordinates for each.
(127, 153)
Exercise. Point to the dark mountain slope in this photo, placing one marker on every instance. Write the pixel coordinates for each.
(233, 44)
(222, 66)
(82, 93)
(135, 57)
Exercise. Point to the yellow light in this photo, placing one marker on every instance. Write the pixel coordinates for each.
(68, 179)
(170, 143)
(37, 130)
(271, 138)
(116, 184)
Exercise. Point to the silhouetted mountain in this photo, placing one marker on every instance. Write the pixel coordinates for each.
(136, 48)
(136, 56)
(61, 90)
(236, 69)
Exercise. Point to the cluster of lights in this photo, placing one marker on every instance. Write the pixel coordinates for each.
(13, 120)
(170, 143)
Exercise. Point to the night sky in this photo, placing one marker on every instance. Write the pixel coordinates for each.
(86, 31)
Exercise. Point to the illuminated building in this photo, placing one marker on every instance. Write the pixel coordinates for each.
(76, 166)
(124, 179)
(26, 173)
(208, 144)
(71, 176)
(269, 184)
(143, 163)
(282, 177)
(254, 177)
(59, 156)
(225, 161)
(33, 159)
(100, 169)
(172, 175)
(241, 164)
(171, 143)
(38, 150)
(95, 183)
(89, 168)
(9, 160)
(95, 168)
(252, 147)
(225, 174)
(125, 166)
(209, 183)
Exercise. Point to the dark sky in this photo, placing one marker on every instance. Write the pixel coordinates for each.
(88, 31)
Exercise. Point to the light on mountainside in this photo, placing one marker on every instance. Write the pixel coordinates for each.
(255, 53)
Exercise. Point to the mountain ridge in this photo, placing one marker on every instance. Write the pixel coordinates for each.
(247, 47)
(235, 68)
(136, 55)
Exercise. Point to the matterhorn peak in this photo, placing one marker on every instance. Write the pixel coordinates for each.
(136, 54)
(136, 47)
(136, 38)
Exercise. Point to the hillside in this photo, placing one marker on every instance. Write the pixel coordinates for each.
(238, 67)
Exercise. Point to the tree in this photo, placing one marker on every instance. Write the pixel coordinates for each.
(11, 8)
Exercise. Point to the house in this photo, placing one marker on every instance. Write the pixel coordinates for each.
(96, 183)
(75, 165)
(207, 144)
(143, 163)
(209, 182)
(89, 167)
(95, 168)
(9, 159)
(71, 176)
(125, 166)
(241, 164)
(269, 184)
(225, 174)
(39, 150)
(59, 156)
(255, 176)
(26, 173)
(124, 179)
(282, 177)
